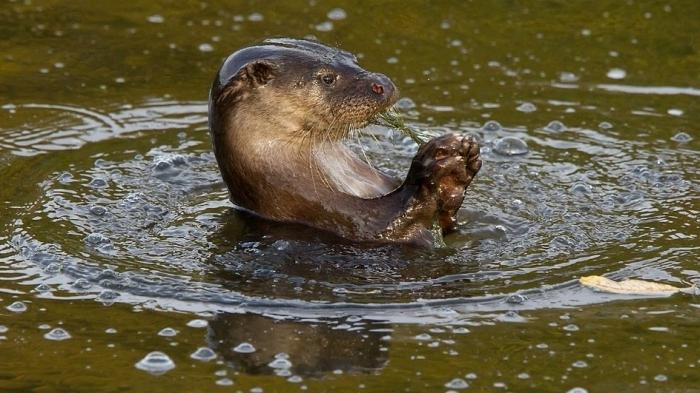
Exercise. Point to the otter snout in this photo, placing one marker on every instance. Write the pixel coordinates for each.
(383, 87)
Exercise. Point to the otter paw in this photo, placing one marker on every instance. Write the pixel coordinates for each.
(446, 166)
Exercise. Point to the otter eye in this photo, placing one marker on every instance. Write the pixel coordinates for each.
(328, 79)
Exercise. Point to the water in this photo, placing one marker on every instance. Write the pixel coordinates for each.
(120, 253)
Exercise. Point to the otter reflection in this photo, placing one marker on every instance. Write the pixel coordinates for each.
(313, 348)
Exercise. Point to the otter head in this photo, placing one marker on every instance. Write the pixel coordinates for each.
(295, 90)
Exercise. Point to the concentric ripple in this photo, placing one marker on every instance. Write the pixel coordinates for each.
(143, 217)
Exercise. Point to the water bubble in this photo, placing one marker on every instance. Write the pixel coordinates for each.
(579, 364)
(256, 17)
(605, 125)
(205, 47)
(661, 378)
(17, 307)
(510, 146)
(81, 284)
(616, 73)
(204, 354)
(392, 60)
(155, 363)
(156, 18)
(516, 299)
(555, 126)
(53, 268)
(460, 330)
(580, 188)
(405, 104)
(423, 337)
(325, 26)
(526, 107)
(337, 14)
(198, 323)
(57, 334)
(295, 379)
(98, 210)
(97, 183)
(168, 332)
(97, 238)
(675, 112)
(3, 329)
(111, 331)
(523, 376)
(492, 126)
(224, 382)
(577, 390)
(542, 346)
(244, 348)
(279, 363)
(571, 328)
(42, 288)
(107, 296)
(682, 137)
(568, 77)
(457, 383)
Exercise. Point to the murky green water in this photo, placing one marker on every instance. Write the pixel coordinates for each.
(115, 226)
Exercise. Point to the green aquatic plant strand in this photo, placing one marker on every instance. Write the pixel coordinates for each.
(392, 119)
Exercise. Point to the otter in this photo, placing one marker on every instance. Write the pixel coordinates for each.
(278, 113)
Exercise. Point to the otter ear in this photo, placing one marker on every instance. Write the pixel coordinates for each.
(257, 73)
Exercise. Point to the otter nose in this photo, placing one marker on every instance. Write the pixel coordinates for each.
(381, 85)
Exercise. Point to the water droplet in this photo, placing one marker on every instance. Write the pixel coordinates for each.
(198, 323)
(526, 107)
(155, 363)
(617, 73)
(571, 328)
(555, 126)
(457, 383)
(3, 329)
(523, 376)
(156, 18)
(660, 378)
(280, 363)
(111, 331)
(492, 126)
(57, 334)
(168, 332)
(510, 146)
(577, 390)
(460, 330)
(682, 137)
(605, 125)
(337, 14)
(17, 307)
(295, 379)
(204, 354)
(244, 348)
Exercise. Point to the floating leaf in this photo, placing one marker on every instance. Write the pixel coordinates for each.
(630, 287)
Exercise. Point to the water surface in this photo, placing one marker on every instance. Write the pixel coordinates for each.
(117, 238)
